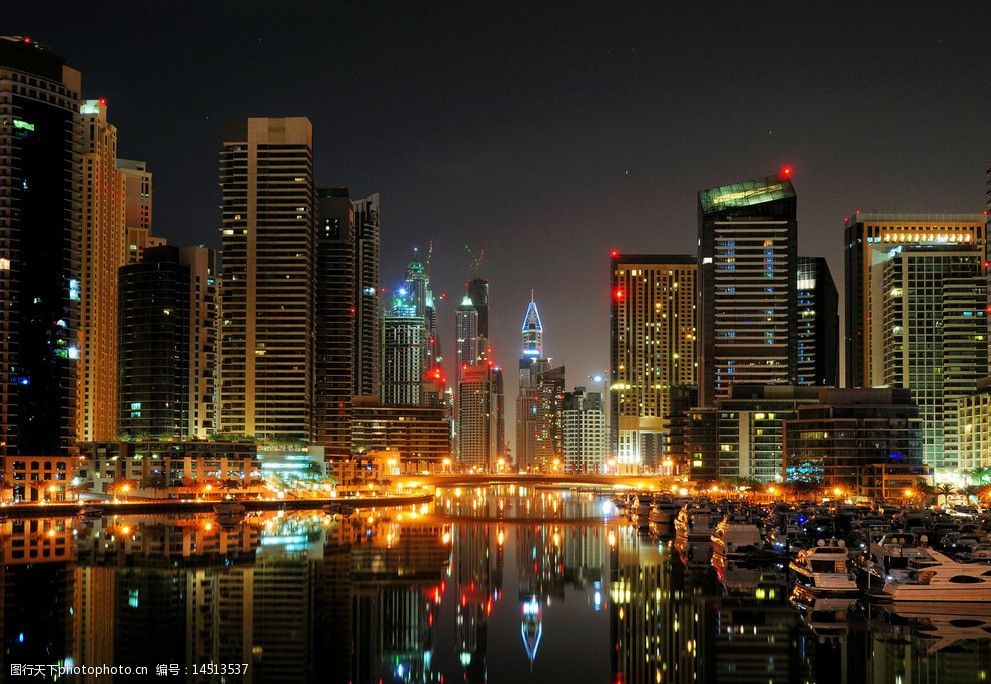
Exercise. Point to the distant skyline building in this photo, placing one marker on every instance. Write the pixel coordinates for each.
(818, 324)
(747, 259)
(40, 234)
(138, 208)
(478, 290)
(404, 333)
(169, 304)
(531, 364)
(548, 420)
(269, 241)
(104, 251)
(585, 442)
(652, 350)
(336, 321)
(477, 431)
(367, 338)
(869, 238)
(466, 337)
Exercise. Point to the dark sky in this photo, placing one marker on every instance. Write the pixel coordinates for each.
(548, 133)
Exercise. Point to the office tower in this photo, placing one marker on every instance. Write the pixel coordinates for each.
(652, 321)
(39, 248)
(930, 332)
(104, 251)
(266, 179)
(478, 291)
(477, 432)
(467, 349)
(168, 344)
(869, 239)
(137, 208)
(856, 439)
(403, 333)
(334, 337)
(748, 331)
(548, 448)
(367, 333)
(585, 441)
(741, 435)
(532, 362)
(818, 324)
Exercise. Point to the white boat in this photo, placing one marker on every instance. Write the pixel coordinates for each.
(939, 578)
(888, 559)
(696, 522)
(825, 569)
(735, 537)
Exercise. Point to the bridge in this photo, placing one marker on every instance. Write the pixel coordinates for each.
(658, 482)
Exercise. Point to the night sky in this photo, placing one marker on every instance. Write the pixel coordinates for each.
(548, 133)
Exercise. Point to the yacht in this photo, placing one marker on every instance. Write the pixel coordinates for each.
(696, 521)
(825, 568)
(664, 510)
(888, 558)
(735, 537)
(939, 578)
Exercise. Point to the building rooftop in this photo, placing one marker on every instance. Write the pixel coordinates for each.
(746, 193)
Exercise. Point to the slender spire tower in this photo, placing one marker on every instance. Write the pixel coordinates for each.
(533, 332)
(532, 363)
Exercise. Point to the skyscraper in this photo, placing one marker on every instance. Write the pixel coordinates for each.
(869, 237)
(104, 251)
(532, 363)
(477, 432)
(168, 344)
(478, 291)
(336, 319)
(137, 208)
(652, 351)
(367, 330)
(585, 442)
(40, 185)
(548, 420)
(467, 338)
(818, 324)
(748, 331)
(266, 179)
(404, 334)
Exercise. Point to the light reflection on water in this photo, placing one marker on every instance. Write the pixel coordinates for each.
(498, 584)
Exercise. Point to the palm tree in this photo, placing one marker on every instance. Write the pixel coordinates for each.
(5, 484)
(944, 489)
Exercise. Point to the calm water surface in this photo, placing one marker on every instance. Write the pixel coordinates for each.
(500, 584)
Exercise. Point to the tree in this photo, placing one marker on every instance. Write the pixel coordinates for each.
(944, 489)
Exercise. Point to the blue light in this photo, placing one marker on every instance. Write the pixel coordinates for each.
(20, 638)
(896, 456)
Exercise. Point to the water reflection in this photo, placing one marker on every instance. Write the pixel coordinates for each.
(500, 584)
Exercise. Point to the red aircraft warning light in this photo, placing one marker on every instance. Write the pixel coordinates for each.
(618, 294)
(786, 172)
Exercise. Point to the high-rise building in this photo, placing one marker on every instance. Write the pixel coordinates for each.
(478, 291)
(499, 411)
(652, 345)
(818, 324)
(869, 239)
(974, 428)
(137, 208)
(168, 344)
(335, 316)
(930, 332)
(40, 188)
(747, 258)
(403, 333)
(477, 446)
(467, 349)
(367, 329)
(548, 420)
(532, 363)
(585, 442)
(266, 179)
(104, 251)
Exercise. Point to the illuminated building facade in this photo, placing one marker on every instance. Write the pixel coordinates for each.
(404, 333)
(137, 208)
(103, 252)
(168, 344)
(367, 328)
(974, 428)
(467, 338)
(268, 231)
(747, 259)
(653, 349)
(335, 316)
(39, 248)
(421, 435)
(477, 430)
(818, 324)
(585, 442)
(531, 364)
(548, 423)
(869, 239)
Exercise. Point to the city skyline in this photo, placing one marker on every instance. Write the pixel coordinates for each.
(618, 157)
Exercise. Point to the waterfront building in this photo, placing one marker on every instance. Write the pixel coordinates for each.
(138, 208)
(974, 428)
(421, 435)
(104, 251)
(652, 349)
(833, 440)
(477, 430)
(870, 238)
(40, 248)
(748, 260)
(818, 324)
(168, 344)
(367, 328)
(268, 231)
(336, 321)
(548, 423)
(741, 436)
(585, 442)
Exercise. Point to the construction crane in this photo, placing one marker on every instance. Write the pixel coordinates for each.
(475, 263)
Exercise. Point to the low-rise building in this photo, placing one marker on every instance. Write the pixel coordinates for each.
(420, 435)
(39, 478)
